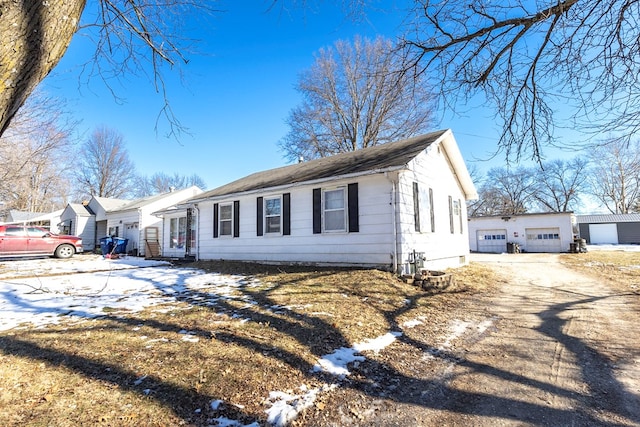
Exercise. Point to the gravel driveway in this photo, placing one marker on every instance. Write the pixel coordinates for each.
(551, 347)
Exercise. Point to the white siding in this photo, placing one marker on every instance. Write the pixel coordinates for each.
(371, 245)
(517, 226)
(441, 248)
(85, 227)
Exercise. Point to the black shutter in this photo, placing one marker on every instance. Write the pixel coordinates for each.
(259, 217)
(215, 220)
(416, 207)
(236, 218)
(286, 214)
(352, 196)
(432, 211)
(317, 211)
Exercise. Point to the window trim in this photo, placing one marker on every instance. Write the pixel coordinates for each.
(221, 220)
(344, 209)
(265, 216)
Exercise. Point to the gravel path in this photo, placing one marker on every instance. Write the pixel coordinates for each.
(551, 347)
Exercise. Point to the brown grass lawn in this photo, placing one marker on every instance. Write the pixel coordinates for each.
(164, 366)
(620, 269)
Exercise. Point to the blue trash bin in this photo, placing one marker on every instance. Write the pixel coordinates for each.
(106, 245)
(120, 245)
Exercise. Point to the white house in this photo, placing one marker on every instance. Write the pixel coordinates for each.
(91, 228)
(371, 207)
(135, 221)
(128, 219)
(78, 220)
(537, 232)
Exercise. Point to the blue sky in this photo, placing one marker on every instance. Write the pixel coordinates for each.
(235, 97)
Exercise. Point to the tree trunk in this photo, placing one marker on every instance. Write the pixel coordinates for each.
(35, 35)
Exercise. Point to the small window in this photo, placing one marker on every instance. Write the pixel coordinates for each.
(35, 232)
(335, 218)
(226, 219)
(114, 231)
(14, 231)
(273, 215)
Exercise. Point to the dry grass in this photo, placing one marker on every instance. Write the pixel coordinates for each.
(164, 366)
(620, 269)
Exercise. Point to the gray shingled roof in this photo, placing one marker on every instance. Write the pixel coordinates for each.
(379, 157)
(607, 218)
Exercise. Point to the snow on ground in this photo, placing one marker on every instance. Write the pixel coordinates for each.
(43, 291)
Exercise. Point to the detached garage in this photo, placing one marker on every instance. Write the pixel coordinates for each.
(540, 232)
(609, 229)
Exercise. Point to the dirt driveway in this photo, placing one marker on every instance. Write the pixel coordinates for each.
(551, 348)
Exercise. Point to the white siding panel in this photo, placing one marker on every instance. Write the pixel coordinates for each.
(441, 248)
(517, 227)
(372, 245)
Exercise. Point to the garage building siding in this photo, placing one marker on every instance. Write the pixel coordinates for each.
(543, 232)
(627, 227)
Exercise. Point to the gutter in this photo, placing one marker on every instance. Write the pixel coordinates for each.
(394, 222)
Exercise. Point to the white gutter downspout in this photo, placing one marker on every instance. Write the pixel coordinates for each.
(394, 251)
(195, 207)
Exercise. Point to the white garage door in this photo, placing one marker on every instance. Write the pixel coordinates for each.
(543, 240)
(603, 234)
(492, 241)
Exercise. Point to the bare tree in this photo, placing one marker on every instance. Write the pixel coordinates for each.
(561, 183)
(161, 182)
(131, 37)
(526, 56)
(105, 169)
(615, 175)
(354, 97)
(506, 192)
(34, 161)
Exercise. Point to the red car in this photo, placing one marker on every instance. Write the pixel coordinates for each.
(20, 240)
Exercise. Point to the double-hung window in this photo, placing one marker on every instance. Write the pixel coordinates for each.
(334, 212)
(273, 215)
(226, 219)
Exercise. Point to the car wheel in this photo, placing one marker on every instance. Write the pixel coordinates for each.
(64, 251)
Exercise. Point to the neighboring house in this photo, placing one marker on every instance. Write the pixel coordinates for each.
(373, 207)
(536, 232)
(91, 228)
(128, 219)
(609, 228)
(78, 220)
(47, 220)
(135, 221)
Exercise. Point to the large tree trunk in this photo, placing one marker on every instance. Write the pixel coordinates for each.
(34, 36)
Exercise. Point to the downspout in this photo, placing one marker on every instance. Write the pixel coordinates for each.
(197, 248)
(394, 251)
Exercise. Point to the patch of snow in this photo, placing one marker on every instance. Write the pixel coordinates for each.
(336, 362)
(285, 407)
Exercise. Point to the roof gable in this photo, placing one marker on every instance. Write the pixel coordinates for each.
(378, 158)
